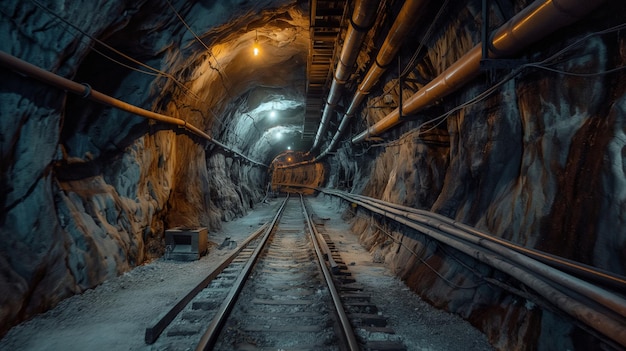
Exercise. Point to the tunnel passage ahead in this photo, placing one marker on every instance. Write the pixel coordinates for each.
(293, 171)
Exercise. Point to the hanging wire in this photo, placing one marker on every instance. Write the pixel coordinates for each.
(223, 77)
(410, 65)
(543, 64)
(158, 72)
(125, 65)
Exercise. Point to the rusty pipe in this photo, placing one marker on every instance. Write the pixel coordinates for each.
(534, 22)
(85, 91)
(360, 23)
(405, 21)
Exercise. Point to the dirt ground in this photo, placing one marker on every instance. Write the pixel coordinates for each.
(114, 315)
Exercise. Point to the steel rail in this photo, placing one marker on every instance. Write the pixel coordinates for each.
(153, 332)
(607, 324)
(323, 245)
(208, 339)
(350, 338)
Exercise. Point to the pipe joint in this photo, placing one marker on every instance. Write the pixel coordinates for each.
(341, 73)
(363, 92)
(340, 81)
(383, 67)
(360, 28)
(87, 92)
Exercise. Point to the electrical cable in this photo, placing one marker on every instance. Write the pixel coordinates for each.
(222, 76)
(539, 65)
(426, 37)
(157, 73)
(574, 73)
(123, 64)
(410, 65)
(161, 73)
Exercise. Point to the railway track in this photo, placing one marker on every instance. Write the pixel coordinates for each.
(285, 288)
(593, 298)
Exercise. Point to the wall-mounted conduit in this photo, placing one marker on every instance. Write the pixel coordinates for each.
(85, 91)
(360, 23)
(405, 21)
(533, 23)
(600, 309)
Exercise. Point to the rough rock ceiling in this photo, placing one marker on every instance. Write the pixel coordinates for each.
(256, 101)
(88, 190)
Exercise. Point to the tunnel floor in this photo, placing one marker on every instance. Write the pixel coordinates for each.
(114, 315)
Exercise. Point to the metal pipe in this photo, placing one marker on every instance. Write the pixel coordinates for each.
(611, 301)
(360, 23)
(405, 21)
(616, 282)
(533, 23)
(85, 91)
(608, 324)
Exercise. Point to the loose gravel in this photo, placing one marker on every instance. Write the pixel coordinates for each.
(114, 315)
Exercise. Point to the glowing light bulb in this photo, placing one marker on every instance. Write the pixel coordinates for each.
(255, 47)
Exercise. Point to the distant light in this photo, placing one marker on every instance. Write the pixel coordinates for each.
(288, 147)
(279, 135)
(289, 159)
(273, 114)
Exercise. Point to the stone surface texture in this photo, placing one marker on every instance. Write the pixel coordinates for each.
(539, 162)
(87, 190)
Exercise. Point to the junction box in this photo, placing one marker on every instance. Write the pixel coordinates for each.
(186, 244)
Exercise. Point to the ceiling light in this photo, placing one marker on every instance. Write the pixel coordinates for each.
(255, 47)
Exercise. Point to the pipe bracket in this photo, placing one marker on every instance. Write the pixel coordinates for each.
(381, 66)
(359, 28)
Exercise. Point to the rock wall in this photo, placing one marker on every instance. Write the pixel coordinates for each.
(89, 190)
(539, 162)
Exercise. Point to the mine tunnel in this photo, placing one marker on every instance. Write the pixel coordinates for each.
(500, 120)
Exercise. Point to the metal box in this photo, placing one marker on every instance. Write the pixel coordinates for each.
(186, 244)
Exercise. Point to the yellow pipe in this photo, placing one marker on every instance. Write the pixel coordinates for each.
(536, 21)
(85, 91)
